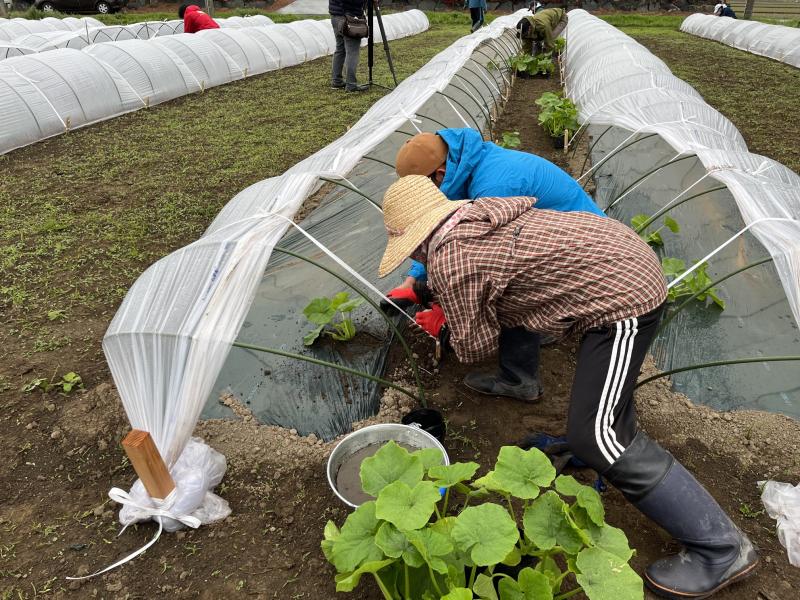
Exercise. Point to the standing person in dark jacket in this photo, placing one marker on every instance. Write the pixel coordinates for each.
(477, 11)
(345, 57)
(194, 19)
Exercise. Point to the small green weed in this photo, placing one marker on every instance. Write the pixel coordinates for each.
(66, 384)
(748, 513)
(56, 315)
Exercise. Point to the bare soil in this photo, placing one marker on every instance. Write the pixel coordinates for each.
(61, 455)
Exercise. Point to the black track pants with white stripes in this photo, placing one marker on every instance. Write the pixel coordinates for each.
(602, 415)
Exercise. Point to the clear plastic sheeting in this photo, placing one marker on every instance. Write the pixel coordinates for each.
(655, 142)
(46, 94)
(43, 41)
(778, 42)
(14, 28)
(782, 501)
(173, 332)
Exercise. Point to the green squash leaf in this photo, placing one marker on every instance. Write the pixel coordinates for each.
(406, 507)
(587, 497)
(330, 534)
(484, 587)
(458, 594)
(546, 524)
(611, 540)
(347, 582)
(319, 311)
(355, 544)
(432, 546)
(531, 585)
(672, 266)
(521, 472)
(339, 299)
(448, 476)
(548, 567)
(430, 457)
(350, 305)
(389, 464)
(487, 532)
(312, 335)
(604, 575)
(672, 224)
(396, 544)
(638, 220)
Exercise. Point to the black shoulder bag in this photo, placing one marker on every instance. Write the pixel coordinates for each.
(355, 26)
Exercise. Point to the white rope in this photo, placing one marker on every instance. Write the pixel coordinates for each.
(348, 268)
(142, 513)
(463, 120)
(668, 205)
(631, 136)
(700, 262)
(36, 87)
(648, 176)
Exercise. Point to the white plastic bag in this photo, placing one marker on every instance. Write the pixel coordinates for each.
(782, 501)
(198, 470)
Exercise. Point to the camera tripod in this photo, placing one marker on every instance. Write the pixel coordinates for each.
(374, 9)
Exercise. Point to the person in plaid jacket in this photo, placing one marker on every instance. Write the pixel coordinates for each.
(502, 262)
(462, 165)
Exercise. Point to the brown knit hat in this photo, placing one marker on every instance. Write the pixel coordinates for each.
(413, 207)
(421, 155)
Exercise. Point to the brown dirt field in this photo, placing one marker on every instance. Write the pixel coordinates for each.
(61, 455)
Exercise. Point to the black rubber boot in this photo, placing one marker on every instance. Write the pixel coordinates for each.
(519, 364)
(715, 553)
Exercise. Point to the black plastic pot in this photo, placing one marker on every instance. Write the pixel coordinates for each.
(558, 142)
(429, 420)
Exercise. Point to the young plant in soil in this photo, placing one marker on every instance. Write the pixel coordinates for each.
(558, 114)
(653, 237)
(559, 45)
(322, 312)
(510, 139)
(418, 545)
(540, 64)
(694, 283)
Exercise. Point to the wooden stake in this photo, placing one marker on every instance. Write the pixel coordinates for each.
(147, 463)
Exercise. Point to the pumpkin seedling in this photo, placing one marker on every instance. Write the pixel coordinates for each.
(653, 237)
(322, 312)
(694, 283)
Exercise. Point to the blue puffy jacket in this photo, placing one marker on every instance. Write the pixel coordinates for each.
(478, 169)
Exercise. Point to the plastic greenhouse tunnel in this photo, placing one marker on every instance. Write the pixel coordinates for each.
(48, 93)
(777, 42)
(657, 149)
(170, 345)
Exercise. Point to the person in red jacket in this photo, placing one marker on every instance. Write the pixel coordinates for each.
(194, 19)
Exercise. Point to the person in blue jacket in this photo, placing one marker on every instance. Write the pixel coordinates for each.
(464, 166)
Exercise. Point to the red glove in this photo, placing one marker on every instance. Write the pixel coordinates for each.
(403, 293)
(431, 320)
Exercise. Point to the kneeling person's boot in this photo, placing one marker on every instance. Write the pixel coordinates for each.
(519, 364)
(715, 553)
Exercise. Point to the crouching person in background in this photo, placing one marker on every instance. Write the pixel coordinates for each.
(194, 19)
(501, 262)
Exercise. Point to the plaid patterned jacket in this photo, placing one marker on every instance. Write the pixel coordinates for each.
(504, 265)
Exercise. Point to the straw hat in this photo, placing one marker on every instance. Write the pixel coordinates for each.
(413, 207)
(421, 155)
